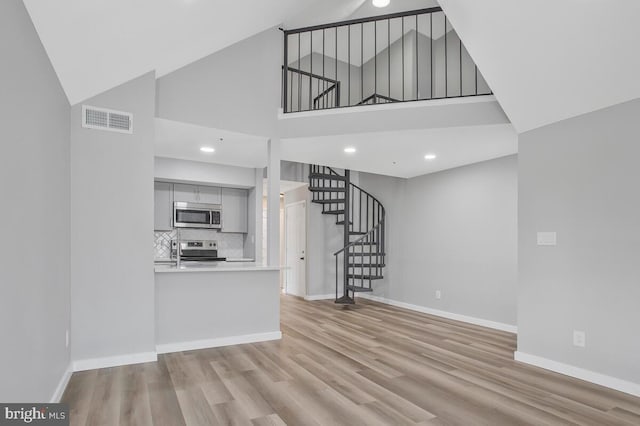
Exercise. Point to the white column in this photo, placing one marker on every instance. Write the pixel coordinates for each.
(273, 203)
(259, 178)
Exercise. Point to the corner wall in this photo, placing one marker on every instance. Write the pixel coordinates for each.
(112, 279)
(34, 218)
(454, 231)
(580, 178)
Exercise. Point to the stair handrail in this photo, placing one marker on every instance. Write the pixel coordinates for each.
(363, 237)
(374, 96)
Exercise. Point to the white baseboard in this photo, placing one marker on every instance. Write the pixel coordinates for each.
(215, 343)
(579, 373)
(320, 297)
(449, 315)
(62, 385)
(114, 361)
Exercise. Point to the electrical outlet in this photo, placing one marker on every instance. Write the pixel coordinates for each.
(66, 338)
(579, 339)
(438, 294)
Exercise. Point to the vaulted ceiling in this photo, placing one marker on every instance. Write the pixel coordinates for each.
(545, 60)
(550, 60)
(97, 45)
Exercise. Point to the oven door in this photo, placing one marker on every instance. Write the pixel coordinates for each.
(189, 217)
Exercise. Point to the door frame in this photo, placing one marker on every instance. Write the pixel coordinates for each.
(286, 248)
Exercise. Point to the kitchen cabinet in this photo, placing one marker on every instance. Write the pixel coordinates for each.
(163, 206)
(196, 193)
(209, 194)
(234, 210)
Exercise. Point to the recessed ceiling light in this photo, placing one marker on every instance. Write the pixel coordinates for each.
(381, 3)
(430, 157)
(207, 149)
(350, 150)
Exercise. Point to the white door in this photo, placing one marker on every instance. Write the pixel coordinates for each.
(295, 248)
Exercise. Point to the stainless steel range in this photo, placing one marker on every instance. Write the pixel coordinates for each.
(196, 251)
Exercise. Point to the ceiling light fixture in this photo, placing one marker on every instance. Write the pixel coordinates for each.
(207, 149)
(350, 150)
(430, 157)
(381, 3)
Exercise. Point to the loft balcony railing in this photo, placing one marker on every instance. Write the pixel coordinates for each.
(401, 57)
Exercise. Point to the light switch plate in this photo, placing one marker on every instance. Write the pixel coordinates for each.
(547, 238)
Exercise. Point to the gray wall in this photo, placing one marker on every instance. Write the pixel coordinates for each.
(580, 177)
(34, 168)
(112, 278)
(235, 89)
(453, 231)
(346, 74)
(379, 67)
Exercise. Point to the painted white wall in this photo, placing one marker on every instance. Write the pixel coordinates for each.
(579, 178)
(34, 169)
(196, 172)
(112, 282)
(211, 92)
(453, 231)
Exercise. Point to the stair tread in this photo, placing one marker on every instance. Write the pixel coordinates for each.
(323, 189)
(333, 212)
(365, 276)
(325, 176)
(341, 222)
(357, 288)
(333, 201)
(367, 265)
(358, 232)
(366, 253)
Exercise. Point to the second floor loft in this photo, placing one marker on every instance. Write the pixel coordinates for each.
(400, 57)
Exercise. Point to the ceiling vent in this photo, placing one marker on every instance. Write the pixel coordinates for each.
(106, 119)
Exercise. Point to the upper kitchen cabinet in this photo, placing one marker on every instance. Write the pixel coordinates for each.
(209, 195)
(234, 210)
(196, 194)
(163, 202)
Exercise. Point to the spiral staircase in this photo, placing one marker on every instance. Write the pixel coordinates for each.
(361, 260)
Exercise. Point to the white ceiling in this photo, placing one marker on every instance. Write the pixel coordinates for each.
(401, 154)
(181, 140)
(97, 45)
(550, 60)
(376, 152)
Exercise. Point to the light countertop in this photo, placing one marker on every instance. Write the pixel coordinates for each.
(214, 267)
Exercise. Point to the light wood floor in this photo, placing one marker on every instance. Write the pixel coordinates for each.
(365, 364)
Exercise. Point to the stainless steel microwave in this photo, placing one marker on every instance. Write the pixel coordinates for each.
(196, 215)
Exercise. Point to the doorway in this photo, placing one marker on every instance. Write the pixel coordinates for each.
(296, 248)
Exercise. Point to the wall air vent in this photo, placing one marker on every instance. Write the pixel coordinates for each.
(106, 119)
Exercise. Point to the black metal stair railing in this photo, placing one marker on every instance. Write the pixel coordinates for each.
(362, 258)
(400, 57)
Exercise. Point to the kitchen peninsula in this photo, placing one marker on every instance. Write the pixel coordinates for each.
(226, 298)
(203, 306)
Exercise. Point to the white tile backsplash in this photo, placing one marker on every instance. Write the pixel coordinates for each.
(230, 245)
